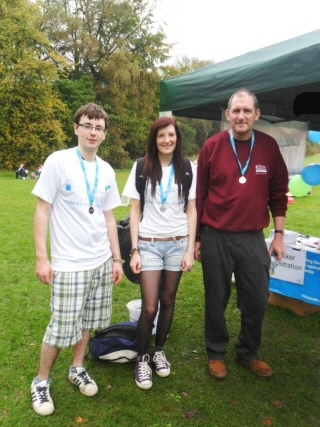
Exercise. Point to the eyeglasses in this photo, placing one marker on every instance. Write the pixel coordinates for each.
(98, 129)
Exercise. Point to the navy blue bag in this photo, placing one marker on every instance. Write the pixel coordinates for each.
(116, 343)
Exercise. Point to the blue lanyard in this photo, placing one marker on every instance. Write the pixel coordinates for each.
(91, 193)
(164, 196)
(243, 170)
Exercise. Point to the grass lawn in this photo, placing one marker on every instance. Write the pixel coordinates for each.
(189, 397)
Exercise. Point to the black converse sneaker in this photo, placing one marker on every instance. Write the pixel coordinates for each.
(80, 377)
(162, 366)
(143, 373)
(41, 399)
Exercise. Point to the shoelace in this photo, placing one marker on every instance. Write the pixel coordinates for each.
(83, 377)
(160, 360)
(143, 371)
(42, 393)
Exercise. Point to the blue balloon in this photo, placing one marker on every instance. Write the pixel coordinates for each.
(311, 174)
(314, 136)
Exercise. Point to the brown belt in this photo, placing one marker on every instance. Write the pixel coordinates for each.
(163, 239)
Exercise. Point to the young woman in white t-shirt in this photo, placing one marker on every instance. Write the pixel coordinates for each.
(163, 237)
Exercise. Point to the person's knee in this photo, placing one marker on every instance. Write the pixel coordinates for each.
(149, 312)
(167, 301)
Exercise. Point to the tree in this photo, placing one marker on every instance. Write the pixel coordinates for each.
(133, 94)
(89, 32)
(74, 94)
(29, 121)
(114, 42)
(182, 65)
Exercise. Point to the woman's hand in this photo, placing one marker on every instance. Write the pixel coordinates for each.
(135, 263)
(188, 262)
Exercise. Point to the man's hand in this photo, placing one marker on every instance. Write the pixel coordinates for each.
(117, 273)
(44, 271)
(197, 251)
(277, 247)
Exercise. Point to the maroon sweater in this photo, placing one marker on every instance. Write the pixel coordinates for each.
(225, 204)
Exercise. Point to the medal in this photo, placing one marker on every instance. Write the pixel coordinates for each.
(243, 170)
(90, 191)
(162, 208)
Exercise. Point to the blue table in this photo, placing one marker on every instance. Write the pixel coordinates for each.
(309, 290)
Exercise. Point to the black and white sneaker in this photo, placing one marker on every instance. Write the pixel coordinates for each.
(80, 377)
(41, 399)
(143, 373)
(162, 366)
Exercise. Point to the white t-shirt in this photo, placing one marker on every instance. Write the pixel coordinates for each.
(172, 222)
(79, 240)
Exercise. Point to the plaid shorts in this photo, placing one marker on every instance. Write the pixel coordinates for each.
(80, 300)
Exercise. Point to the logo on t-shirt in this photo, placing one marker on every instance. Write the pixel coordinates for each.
(261, 169)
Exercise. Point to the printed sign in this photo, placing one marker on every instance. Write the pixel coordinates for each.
(292, 266)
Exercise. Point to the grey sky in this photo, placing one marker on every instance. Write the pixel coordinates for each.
(221, 30)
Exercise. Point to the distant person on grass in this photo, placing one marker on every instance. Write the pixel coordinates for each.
(38, 171)
(163, 237)
(77, 193)
(241, 177)
(22, 171)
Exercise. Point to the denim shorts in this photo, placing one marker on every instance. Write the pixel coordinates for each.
(161, 255)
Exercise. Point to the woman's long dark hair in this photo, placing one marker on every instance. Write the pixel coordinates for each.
(152, 167)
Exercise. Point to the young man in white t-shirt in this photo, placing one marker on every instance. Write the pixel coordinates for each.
(77, 193)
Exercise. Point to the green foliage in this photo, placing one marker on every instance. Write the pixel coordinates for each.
(126, 139)
(194, 133)
(56, 56)
(112, 42)
(132, 94)
(74, 94)
(183, 65)
(188, 135)
(30, 126)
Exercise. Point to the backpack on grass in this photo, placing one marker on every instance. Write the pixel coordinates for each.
(125, 248)
(116, 343)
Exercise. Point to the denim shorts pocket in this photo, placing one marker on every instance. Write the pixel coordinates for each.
(183, 243)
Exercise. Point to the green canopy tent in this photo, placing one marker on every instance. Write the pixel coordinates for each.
(285, 77)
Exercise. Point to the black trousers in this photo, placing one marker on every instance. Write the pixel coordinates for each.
(246, 256)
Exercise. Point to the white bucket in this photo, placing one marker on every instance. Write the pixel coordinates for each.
(134, 308)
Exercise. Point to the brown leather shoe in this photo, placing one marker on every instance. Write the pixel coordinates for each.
(217, 369)
(257, 366)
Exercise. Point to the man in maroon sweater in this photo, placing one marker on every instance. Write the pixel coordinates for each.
(241, 178)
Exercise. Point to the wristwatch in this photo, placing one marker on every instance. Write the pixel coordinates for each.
(279, 231)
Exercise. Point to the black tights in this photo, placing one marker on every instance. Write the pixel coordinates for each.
(156, 286)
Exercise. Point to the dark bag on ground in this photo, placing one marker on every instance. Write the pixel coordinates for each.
(125, 248)
(116, 343)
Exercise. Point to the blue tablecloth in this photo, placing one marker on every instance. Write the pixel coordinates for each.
(309, 291)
